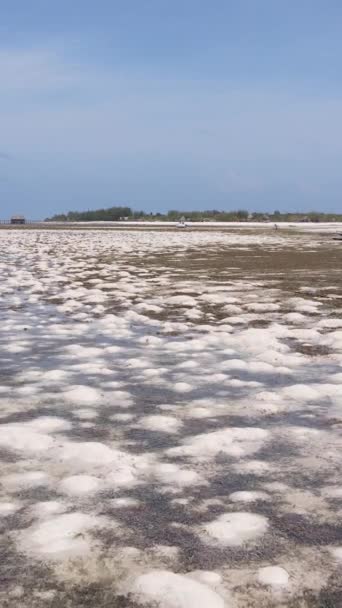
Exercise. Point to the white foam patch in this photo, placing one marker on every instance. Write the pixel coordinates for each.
(122, 417)
(235, 529)
(193, 314)
(182, 387)
(80, 485)
(55, 375)
(59, 537)
(182, 301)
(330, 323)
(142, 307)
(137, 363)
(48, 424)
(245, 496)
(275, 576)
(30, 479)
(8, 508)
(333, 492)
(22, 438)
(236, 442)
(121, 399)
(262, 307)
(185, 365)
(208, 577)
(239, 319)
(163, 424)
(232, 309)
(234, 364)
(83, 352)
(47, 508)
(169, 590)
(124, 502)
(121, 468)
(82, 395)
(174, 475)
(276, 486)
(199, 412)
(301, 392)
(336, 552)
(295, 317)
(152, 372)
(85, 414)
(180, 501)
(86, 453)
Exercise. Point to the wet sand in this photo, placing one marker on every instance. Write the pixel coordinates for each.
(171, 415)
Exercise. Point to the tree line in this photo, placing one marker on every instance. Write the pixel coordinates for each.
(122, 213)
(111, 214)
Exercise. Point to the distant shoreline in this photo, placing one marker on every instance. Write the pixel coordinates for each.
(323, 227)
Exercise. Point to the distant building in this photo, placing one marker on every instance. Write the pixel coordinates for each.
(18, 219)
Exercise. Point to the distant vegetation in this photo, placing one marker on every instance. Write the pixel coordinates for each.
(126, 213)
(105, 215)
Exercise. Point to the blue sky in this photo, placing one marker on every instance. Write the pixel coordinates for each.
(164, 104)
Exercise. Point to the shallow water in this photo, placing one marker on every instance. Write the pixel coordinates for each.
(171, 414)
